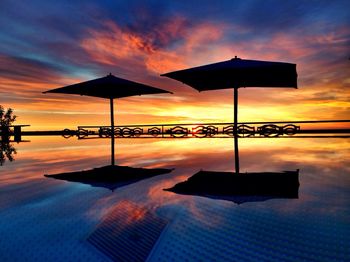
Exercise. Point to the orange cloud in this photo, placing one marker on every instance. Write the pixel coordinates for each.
(114, 45)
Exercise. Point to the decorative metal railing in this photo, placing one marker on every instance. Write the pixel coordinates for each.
(188, 130)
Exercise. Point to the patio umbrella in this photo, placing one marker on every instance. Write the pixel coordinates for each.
(237, 73)
(108, 87)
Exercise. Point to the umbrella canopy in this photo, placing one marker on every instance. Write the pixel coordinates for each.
(238, 73)
(109, 87)
(240, 188)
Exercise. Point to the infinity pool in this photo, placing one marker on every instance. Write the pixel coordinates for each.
(47, 219)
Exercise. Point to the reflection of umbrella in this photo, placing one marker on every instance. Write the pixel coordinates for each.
(240, 188)
(236, 73)
(110, 177)
(109, 87)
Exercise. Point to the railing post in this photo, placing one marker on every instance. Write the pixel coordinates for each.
(17, 133)
(235, 127)
(235, 116)
(112, 132)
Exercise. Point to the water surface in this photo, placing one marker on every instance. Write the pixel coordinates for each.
(49, 219)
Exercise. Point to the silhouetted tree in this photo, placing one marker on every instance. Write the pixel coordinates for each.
(6, 117)
(6, 151)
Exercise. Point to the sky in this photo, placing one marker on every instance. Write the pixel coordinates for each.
(49, 44)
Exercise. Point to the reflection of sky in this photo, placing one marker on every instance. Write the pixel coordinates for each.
(45, 45)
(37, 211)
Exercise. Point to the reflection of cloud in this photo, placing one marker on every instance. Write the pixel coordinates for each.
(322, 166)
(322, 163)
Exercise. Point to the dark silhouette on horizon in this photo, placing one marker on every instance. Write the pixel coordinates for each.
(240, 187)
(111, 177)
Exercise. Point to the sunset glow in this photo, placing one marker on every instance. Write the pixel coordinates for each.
(175, 130)
(43, 50)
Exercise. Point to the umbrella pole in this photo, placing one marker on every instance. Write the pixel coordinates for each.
(235, 127)
(112, 132)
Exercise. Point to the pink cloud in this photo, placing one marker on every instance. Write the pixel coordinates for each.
(116, 45)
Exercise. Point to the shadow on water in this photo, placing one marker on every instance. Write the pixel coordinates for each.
(240, 187)
(111, 177)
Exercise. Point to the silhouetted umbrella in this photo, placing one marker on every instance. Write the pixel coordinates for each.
(110, 177)
(240, 188)
(236, 73)
(109, 87)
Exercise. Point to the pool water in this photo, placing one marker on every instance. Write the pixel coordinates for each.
(46, 219)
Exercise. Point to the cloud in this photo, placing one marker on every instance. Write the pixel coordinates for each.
(155, 51)
(26, 69)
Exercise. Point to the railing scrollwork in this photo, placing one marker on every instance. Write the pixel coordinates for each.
(189, 130)
(204, 131)
(154, 131)
(245, 131)
(178, 131)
